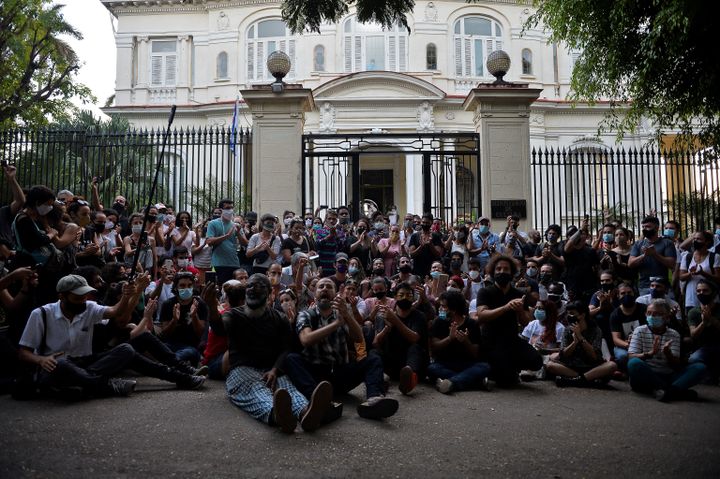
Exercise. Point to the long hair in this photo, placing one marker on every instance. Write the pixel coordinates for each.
(549, 336)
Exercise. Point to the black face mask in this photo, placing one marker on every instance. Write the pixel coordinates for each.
(555, 298)
(380, 294)
(648, 233)
(152, 218)
(99, 227)
(705, 299)
(455, 264)
(405, 268)
(379, 272)
(425, 227)
(545, 278)
(502, 279)
(75, 308)
(572, 319)
(404, 304)
(118, 207)
(606, 287)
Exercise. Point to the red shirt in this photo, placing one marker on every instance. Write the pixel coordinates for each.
(215, 345)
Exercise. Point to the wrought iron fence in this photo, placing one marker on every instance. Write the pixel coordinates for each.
(625, 185)
(200, 166)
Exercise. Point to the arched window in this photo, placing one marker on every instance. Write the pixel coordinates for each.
(263, 38)
(431, 57)
(367, 46)
(473, 39)
(527, 62)
(221, 66)
(319, 58)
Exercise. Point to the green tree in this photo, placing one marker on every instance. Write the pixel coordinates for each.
(650, 58)
(37, 66)
(301, 15)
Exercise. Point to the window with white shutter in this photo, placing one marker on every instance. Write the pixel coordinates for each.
(263, 38)
(163, 63)
(367, 46)
(473, 39)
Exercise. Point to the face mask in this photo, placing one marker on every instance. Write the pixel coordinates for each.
(502, 279)
(531, 272)
(360, 230)
(474, 274)
(407, 224)
(118, 207)
(351, 270)
(341, 268)
(287, 221)
(136, 229)
(185, 293)
(606, 287)
(44, 209)
(99, 227)
(109, 225)
(405, 268)
(545, 278)
(572, 319)
(379, 226)
(404, 304)
(215, 216)
(551, 237)
(705, 299)
(152, 218)
(540, 315)
(555, 298)
(268, 226)
(161, 217)
(608, 238)
(308, 223)
(227, 214)
(183, 263)
(655, 322)
(484, 229)
(379, 271)
(75, 308)
(455, 264)
(442, 315)
(627, 300)
(648, 233)
(434, 274)
(656, 294)
(380, 294)
(425, 227)
(344, 220)
(698, 245)
(317, 227)
(668, 233)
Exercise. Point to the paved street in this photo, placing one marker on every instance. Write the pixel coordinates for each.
(535, 430)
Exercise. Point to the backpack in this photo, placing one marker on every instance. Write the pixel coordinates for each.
(263, 256)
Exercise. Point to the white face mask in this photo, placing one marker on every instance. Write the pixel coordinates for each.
(136, 229)
(183, 263)
(44, 209)
(228, 214)
(109, 225)
(474, 274)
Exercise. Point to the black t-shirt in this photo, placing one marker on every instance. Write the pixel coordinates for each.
(302, 247)
(455, 351)
(624, 324)
(395, 341)
(183, 332)
(504, 328)
(580, 269)
(260, 342)
(424, 260)
(6, 219)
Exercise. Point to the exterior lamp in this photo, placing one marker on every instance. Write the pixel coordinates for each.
(278, 63)
(498, 64)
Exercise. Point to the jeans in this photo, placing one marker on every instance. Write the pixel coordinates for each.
(90, 373)
(621, 358)
(343, 377)
(464, 375)
(709, 356)
(183, 352)
(215, 367)
(413, 356)
(644, 380)
(507, 359)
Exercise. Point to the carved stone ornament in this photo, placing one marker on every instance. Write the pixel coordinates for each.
(431, 13)
(449, 115)
(537, 119)
(327, 118)
(425, 117)
(223, 21)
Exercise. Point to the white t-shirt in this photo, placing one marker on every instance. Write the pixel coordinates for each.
(255, 240)
(535, 329)
(690, 294)
(647, 298)
(165, 294)
(74, 338)
(188, 242)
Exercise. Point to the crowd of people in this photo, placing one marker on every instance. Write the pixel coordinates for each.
(294, 311)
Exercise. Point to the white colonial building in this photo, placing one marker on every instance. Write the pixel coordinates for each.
(198, 54)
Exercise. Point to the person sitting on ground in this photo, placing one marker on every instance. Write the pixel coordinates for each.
(580, 362)
(425, 247)
(603, 303)
(704, 325)
(326, 332)
(215, 356)
(623, 321)
(501, 309)
(296, 242)
(401, 337)
(544, 333)
(455, 342)
(259, 339)
(475, 279)
(183, 319)
(659, 289)
(655, 365)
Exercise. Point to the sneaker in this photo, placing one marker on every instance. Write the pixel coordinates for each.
(444, 385)
(485, 384)
(386, 383)
(565, 381)
(319, 404)
(527, 376)
(282, 411)
(202, 371)
(190, 382)
(121, 387)
(408, 380)
(377, 407)
(333, 413)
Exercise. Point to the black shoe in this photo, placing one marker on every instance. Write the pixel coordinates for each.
(121, 387)
(378, 407)
(318, 407)
(333, 413)
(577, 382)
(190, 382)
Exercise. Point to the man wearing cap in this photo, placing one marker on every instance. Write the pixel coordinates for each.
(482, 242)
(341, 269)
(58, 339)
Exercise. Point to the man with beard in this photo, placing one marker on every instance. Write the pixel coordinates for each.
(325, 331)
(258, 341)
(653, 255)
(500, 309)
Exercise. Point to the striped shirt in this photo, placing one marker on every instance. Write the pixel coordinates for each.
(642, 342)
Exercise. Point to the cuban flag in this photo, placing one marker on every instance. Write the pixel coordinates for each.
(233, 127)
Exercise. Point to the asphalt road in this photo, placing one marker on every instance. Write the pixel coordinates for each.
(534, 430)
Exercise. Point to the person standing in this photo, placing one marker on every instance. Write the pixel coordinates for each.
(223, 235)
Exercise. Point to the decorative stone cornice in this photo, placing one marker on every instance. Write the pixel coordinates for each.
(345, 88)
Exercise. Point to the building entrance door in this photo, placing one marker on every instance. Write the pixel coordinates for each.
(377, 185)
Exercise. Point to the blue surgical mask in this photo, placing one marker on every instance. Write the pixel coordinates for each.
(185, 293)
(608, 238)
(540, 315)
(654, 322)
(352, 270)
(442, 315)
(717, 231)
(434, 274)
(483, 229)
(669, 233)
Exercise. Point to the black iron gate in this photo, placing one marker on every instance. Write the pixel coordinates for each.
(448, 163)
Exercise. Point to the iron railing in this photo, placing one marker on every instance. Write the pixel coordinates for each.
(200, 166)
(625, 185)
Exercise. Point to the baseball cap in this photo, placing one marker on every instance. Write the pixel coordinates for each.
(341, 257)
(74, 284)
(160, 206)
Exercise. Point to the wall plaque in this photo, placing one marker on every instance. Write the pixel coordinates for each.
(501, 209)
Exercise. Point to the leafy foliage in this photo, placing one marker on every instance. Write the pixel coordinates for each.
(37, 67)
(653, 58)
(696, 210)
(203, 197)
(307, 15)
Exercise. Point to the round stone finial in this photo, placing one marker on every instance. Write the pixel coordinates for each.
(498, 64)
(278, 63)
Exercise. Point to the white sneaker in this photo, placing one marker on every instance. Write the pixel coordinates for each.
(444, 385)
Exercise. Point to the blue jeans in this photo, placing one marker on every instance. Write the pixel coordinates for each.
(621, 358)
(183, 352)
(343, 377)
(644, 380)
(464, 375)
(709, 356)
(215, 367)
